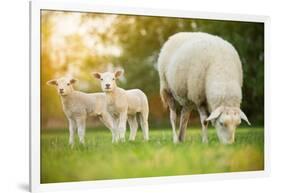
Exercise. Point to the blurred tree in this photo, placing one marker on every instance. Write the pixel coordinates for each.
(49, 102)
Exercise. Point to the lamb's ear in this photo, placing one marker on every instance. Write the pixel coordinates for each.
(215, 114)
(244, 117)
(72, 80)
(52, 82)
(96, 75)
(118, 73)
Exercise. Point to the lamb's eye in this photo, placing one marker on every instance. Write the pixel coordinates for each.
(113, 78)
(68, 84)
(221, 124)
(101, 79)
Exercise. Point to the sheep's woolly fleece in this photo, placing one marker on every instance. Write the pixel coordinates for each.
(200, 68)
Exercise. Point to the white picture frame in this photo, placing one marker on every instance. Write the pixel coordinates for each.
(86, 6)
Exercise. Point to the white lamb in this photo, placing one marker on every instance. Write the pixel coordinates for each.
(77, 106)
(202, 71)
(124, 104)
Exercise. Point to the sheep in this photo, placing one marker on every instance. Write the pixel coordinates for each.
(77, 106)
(202, 71)
(124, 104)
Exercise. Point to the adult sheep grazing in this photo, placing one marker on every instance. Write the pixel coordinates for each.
(77, 106)
(202, 71)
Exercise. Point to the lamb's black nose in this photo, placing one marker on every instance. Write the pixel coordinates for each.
(61, 90)
(107, 85)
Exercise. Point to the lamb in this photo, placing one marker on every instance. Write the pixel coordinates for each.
(77, 106)
(202, 71)
(124, 104)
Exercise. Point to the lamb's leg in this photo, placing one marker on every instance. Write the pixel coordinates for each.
(144, 125)
(203, 116)
(122, 125)
(72, 126)
(133, 127)
(116, 133)
(185, 114)
(108, 122)
(81, 124)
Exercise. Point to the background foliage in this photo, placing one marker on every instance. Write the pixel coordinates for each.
(79, 43)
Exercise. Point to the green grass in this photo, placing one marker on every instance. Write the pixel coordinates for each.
(100, 159)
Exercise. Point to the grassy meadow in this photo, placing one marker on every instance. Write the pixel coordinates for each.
(78, 43)
(99, 159)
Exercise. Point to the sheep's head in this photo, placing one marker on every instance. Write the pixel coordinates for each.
(108, 79)
(225, 120)
(63, 85)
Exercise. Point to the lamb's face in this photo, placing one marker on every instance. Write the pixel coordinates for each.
(108, 80)
(63, 85)
(226, 120)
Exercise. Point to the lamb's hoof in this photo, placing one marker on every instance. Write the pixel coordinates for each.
(205, 140)
(131, 139)
(113, 141)
(122, 140)
(116, 139)
(71, 145)
(82, 143)
(175, 140)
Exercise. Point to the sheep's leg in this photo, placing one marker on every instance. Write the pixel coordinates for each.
(144, 125)
(203, 116)
(72, 126)
(81, 123)
(122, 125)
(173, 118)
(185, 114)
(173, 114)
(133, 127)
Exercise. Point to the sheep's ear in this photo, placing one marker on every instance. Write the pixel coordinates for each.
(52, 82)
(215, 114)
(244, 117)
(72, 80)
(96, 75)
(118, 73)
